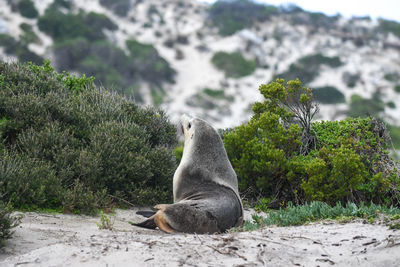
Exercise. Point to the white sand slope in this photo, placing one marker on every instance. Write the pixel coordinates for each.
(70, 240)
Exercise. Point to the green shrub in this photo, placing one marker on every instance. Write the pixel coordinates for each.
(18, 49)
(328, 95)
(29, 36)
(333, 175)
(67, 144)
(7, 222)
(232, 16)
(392, 76)
(149, 64)
(391, 104)
(362, 107)
(389, 26)
(284, 157)
(395, 135)
(397, 88)
(350, 79)
(307, 67)
(27, 9)
(233, 64)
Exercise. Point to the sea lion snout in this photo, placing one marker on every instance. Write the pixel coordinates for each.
(184, 122)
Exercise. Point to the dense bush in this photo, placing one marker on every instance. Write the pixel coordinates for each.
(18, 49)
(7, 222)
(67, 144)
(232, 16)
(328, 95)
(276, 156)
(233, 64)
(308, 67)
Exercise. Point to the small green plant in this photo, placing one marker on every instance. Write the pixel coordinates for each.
(106, 221)
(262, 204)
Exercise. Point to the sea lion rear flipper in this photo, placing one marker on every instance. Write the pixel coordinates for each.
(162, 222)
(149, 223)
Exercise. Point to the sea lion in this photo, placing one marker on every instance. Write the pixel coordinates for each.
(205, 187)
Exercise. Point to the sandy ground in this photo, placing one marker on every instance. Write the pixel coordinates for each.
(70, 240)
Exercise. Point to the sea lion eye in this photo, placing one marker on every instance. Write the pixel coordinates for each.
(189, 125)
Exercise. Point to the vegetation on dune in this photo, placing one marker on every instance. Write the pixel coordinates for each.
(232, 16)
(25, 7)
(119, 7)
(28, 36)
(283, 156)
(328, 95)
(233, 64)
(83, 47)
(66, 144)
(307, 68)
(391, 26)
(18, 49)
(63, 26)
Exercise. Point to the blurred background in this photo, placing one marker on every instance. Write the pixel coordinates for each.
(207, 58)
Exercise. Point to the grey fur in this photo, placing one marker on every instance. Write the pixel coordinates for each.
(206, 197)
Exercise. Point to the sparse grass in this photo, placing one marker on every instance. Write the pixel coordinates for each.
(316, 211)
